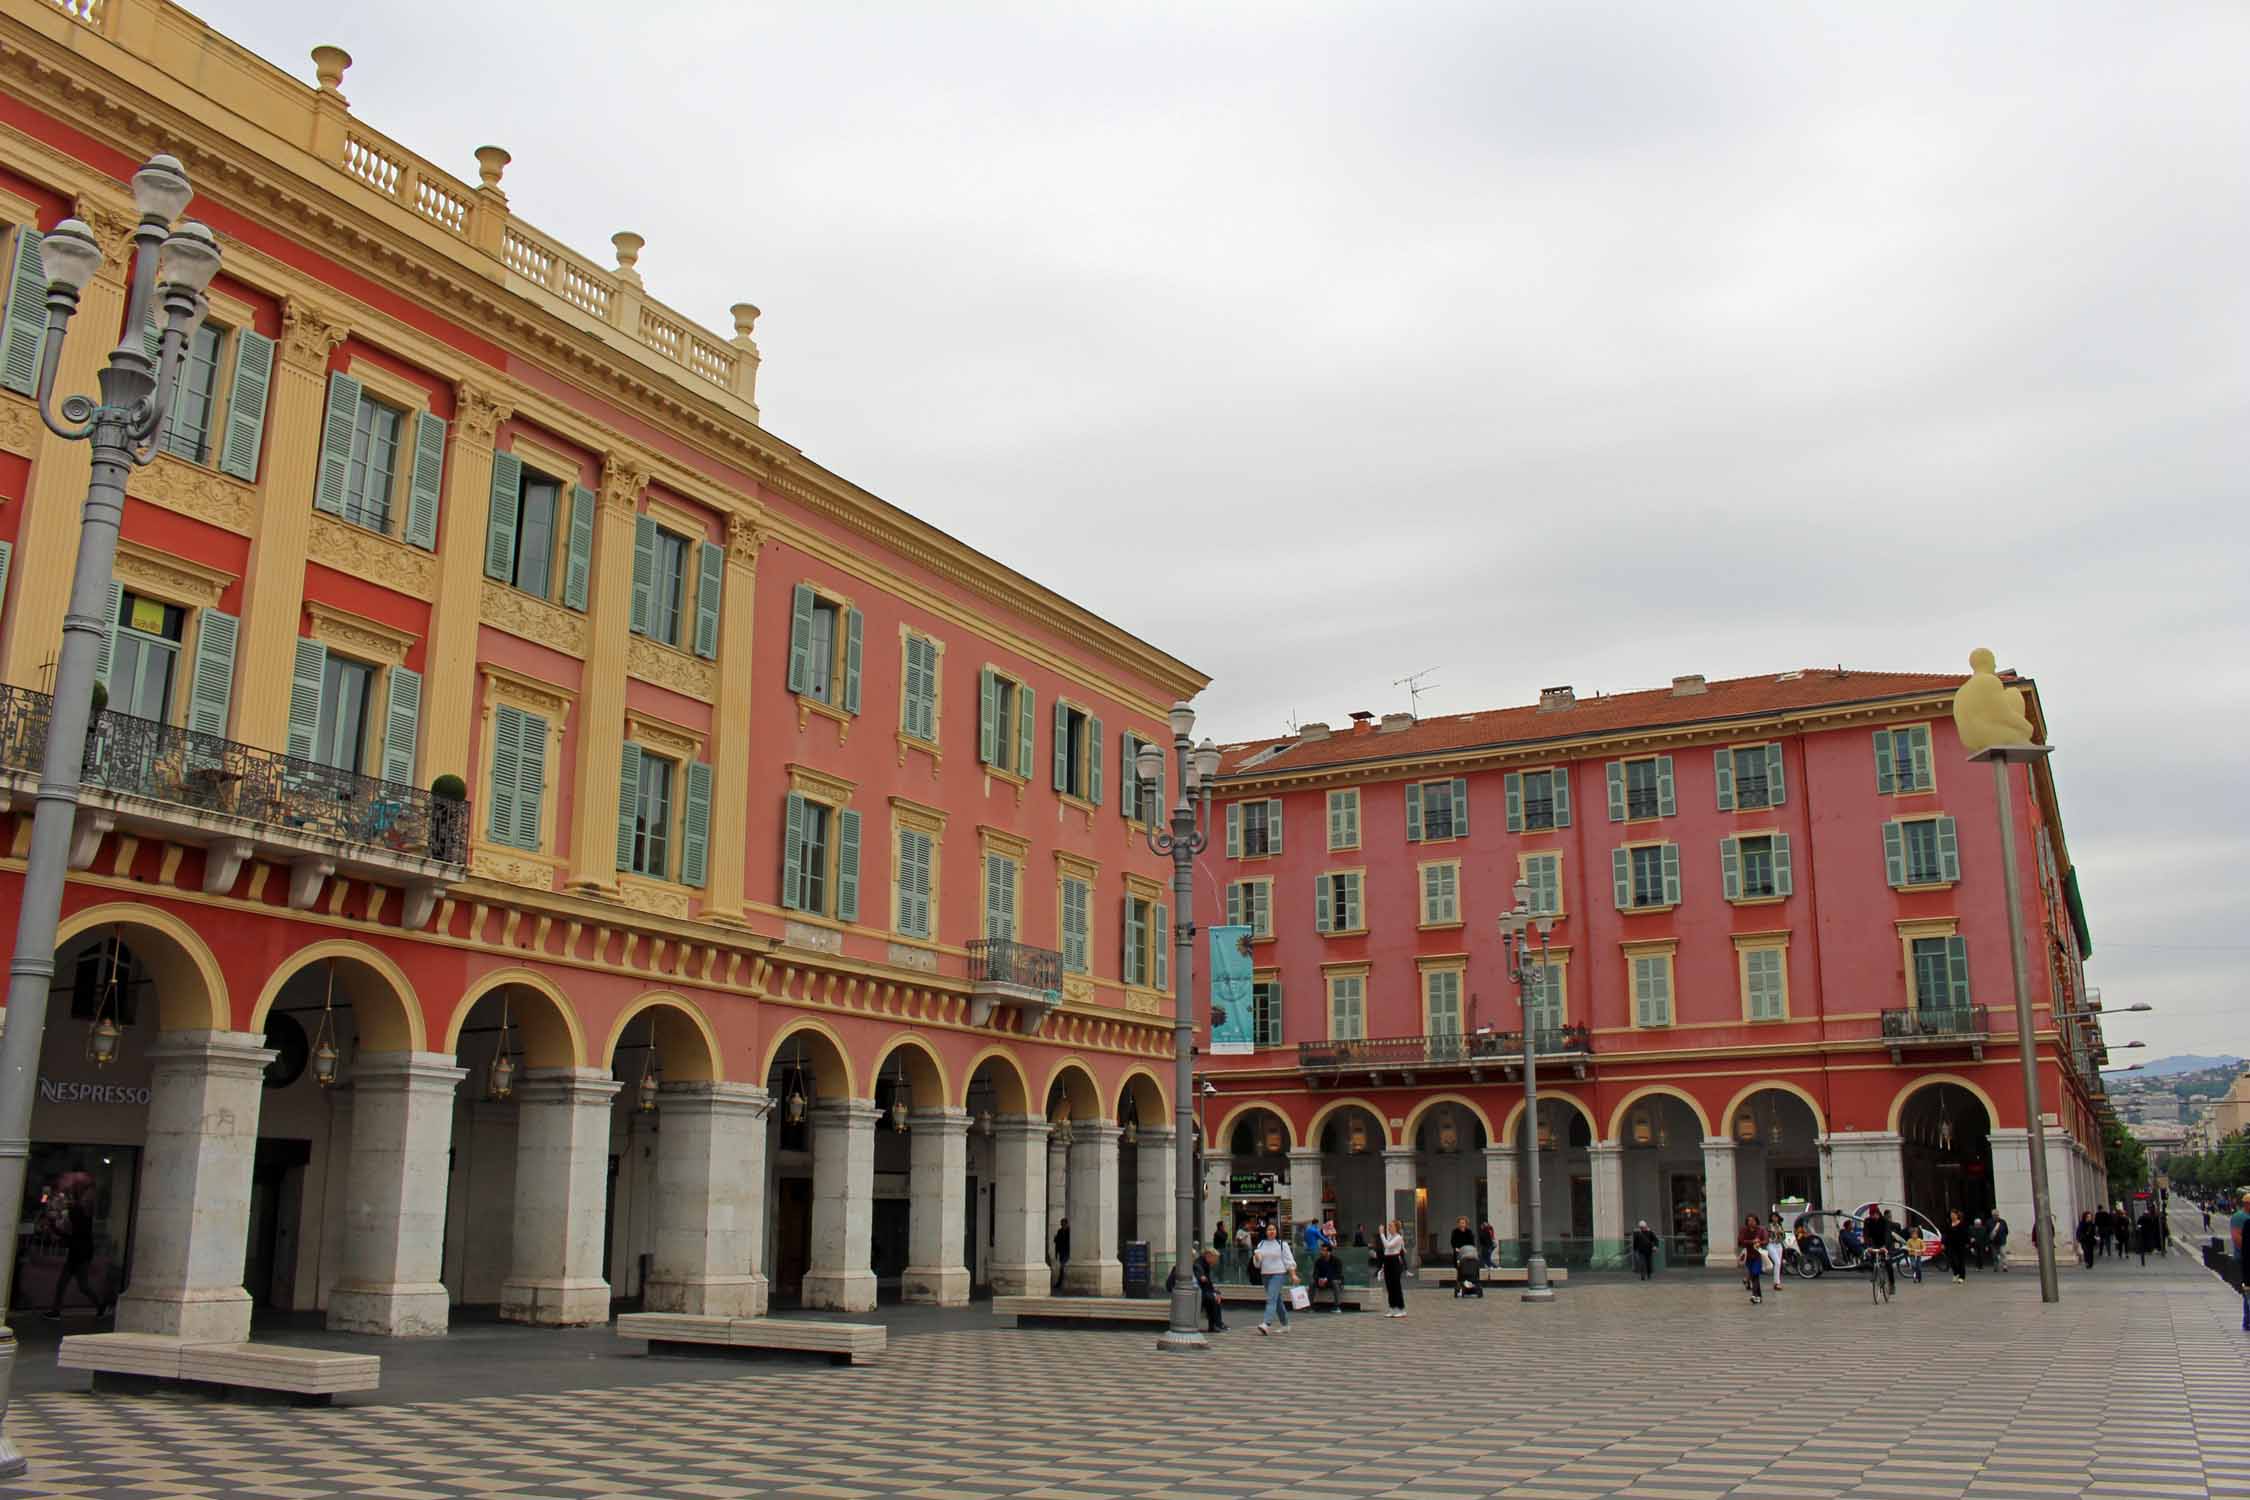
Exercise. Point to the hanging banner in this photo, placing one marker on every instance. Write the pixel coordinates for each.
(1232, 1026)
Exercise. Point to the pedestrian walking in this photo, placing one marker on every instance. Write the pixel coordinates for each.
(1062, 1250)
(1999, 1244)
(1278, 1269)
(2121, 1229)
(2089, 1237)
(1644, 1250)
(1488, 1244)
(1749, 1244)
(72, 1213)
(1776, 1238)
(2101, 1229)
(1393, 1249)
(1956, 1238)
(2237, 1224)
(1980, 1243)
(2152, 1233)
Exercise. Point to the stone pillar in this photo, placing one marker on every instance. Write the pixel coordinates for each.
(2060, 1182)
(1156, 1201)
(2011, 1188)
(710, 1200)
(1058, 1199)
(395, 1181)
(1019, 1211)
(1722, 1217)
(1304, 1186)
(1216, 1170)
(1399, 1177)
(273, 586)
(730, 794)
(194, 1218)
(601, 693)
(1862, 1167)
(1607, 1159)
(450, 662)
(843, 1213)
(938, 1154)
(1501, 1198)
(1094, 1268)
(561, 1210)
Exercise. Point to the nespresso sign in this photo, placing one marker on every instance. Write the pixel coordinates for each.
(66, 1091)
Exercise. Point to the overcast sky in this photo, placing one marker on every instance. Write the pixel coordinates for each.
(1321, 344)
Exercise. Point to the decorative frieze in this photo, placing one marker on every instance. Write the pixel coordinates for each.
(689, 676)
(191, 490)
(378, 559)
(520, 614)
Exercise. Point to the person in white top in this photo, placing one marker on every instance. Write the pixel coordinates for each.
(1274, 1261)
(1394, 1267)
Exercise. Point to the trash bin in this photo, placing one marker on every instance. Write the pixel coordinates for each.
(1135, 1256)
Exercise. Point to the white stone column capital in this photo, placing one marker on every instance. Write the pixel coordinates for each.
(220, 1054)
(1606, 1150)
(851, 1114)
(1019, 1128)
(406, 1072)
(1100, 1133)
(1715, 1144)
(1305, 1154)
(583, 1087)
(943, 1121)
(1399, 1153)
(1159, 1136)
(706, 1098)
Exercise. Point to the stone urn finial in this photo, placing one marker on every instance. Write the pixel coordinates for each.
(491, 162)
(629, 247)
(745, 320)
(328, 66)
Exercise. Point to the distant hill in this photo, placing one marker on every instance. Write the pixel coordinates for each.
(2164, 1067)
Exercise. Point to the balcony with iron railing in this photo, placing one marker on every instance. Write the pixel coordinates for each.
(1004, 973)
(1945, 1026)
(1476, 1051)
(238, 803)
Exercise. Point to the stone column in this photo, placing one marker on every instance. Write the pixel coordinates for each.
(1863, 1166)
(938, 1160)
(2060, 1182)
(1058, 1199)
(730, 795)
(843, 1213)
(561, 1209)
(450, 662)
(1722, 1218)
(1216, 1171)
(1156, 1201)
(1607, 1159)
(1019, 1208)
(194, 1217)
(1399, 1177)
(273, 586)
(1304, 1185)
(2011, 1188)
(1500, 1197)
(601, 693)
(395, 1181)
(1094, 1269)
(710, 1200)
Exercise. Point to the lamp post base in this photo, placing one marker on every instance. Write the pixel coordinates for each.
(1176, 1341)
(1536, 1286)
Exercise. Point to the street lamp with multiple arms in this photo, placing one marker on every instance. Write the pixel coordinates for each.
(172, 264)
(1516, 928)
(1189, 834)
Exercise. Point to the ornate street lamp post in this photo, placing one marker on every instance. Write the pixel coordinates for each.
(171, 264)
(1516, 927)
(1198, 766)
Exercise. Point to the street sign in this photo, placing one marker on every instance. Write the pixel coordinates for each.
(1253, 1184)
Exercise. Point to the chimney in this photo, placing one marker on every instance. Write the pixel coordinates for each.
(1553, 698)
(1307, 733)
(1689, 686)
(1393, 723)
(1362, 721)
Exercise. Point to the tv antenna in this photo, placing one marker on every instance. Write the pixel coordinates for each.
(1415, 688)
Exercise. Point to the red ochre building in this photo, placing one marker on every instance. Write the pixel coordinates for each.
(775, 952)
(1780, 967)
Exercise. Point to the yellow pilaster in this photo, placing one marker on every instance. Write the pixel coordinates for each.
(449, 691)
(273, 594)
(47, 538)
(730, 797)
(601, 693)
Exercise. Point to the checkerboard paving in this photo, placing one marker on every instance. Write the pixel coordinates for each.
(2133, 1387)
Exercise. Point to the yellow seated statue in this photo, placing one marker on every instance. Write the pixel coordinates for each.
(1986, 711)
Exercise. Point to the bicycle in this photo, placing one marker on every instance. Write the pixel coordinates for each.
(1882, 1275)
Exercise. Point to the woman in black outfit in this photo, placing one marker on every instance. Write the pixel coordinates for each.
(1393, 1248)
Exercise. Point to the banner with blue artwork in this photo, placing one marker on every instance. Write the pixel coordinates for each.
(1233, 1028)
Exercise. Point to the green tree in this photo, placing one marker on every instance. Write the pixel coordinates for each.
(2127, 1158)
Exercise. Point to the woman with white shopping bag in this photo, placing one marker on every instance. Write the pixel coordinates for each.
(1275, 1263)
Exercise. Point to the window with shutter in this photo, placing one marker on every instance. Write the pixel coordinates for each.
(425, 486)
(1347, 1007)
(1441, 1002)
(503, 505)
(195, 396)
(1160, 939)
(710, 587)
(917, 854)
(1265, 1010)
(695, 825)
(401, 724)
(1441, 894)
(519, 777)
(1077, 760)
(1652, 989)
(1765, 995)
(23, 328)
(918, 690)
(1001, 874)
(1077, 931)
(1260, 827)
(1543, 873)
(1258, 908)
(1538, 800)
(1343, 819)
(847, 866)
(1438, 810)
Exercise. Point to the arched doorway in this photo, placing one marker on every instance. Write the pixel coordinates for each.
(1776, 1139)
(1258, 1177)
(1945, 1140)
(920, 1235)
(1147, 1192)
(1664, 1176)
(1008, 1168)
(1449, 1166)
(1566, 1188)
(1351, 1141)
(821, 1150)
(1082, 1184)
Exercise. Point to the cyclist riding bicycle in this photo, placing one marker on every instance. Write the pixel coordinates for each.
(1881, 1233)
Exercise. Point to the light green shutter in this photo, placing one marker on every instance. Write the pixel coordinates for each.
(1234, 830)
(847, 866)
(695, 830)
(854, 625)
(793, 855)
(304, 697)
(628, 800)
(1949, 849)
(578, 552)
(245, 430)
(1273, 825)
(1776, 788)
(1621, 875)
(1894, 853)
(1671, 874)
(1918, 748)
(24, 328)
(531, 780)
(1026, 722)
(924, 869)
(1129, 939)
(1353, 921)
(1514, 784)
(507, 763)
(1730, 867)
(402, 719)
(1323, 902)
(1666, 805)
(800, 638)
(1885, 779)
(988, 715)
(109, 637)
(1784, 883)
(503, 506)
(1062, 749)
(1558, 782)
(1094, 761)
(426, 483)
(1957, 969)
(1261, 908)
(1722, 772)
(1617, 791)
(1129, 772)
(1160, 940)
(1414, 812)
(7, 552)
(211, 683)
(644, 572)
(1460, 807)
(710, 581)
(336, 443)
(1234, 903)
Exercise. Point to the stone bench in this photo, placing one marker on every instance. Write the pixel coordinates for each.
(1019, 1312)
(1488, 1276)
(136, 1362)
(1354, 1298)
(692, 1333)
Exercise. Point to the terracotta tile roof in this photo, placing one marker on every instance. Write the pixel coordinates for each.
(1655, 708)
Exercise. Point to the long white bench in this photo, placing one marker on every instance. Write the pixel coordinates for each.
(137, 1361)
(1353, 1298)
(681, 1333)
(1489, 1276)
(1017, 1312)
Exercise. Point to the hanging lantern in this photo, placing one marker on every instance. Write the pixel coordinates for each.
(652, 1072)
(1944, 1124)
(1546, 1136)
(1773, 1125)
(324, 1055)
(1132, 1132)
(1663, 1135)
(1062, 1127)
(103, 1035)
(1643, 1128)
(794, 1111)
(101, 1042)
(1448, 1131)
(984, 1122)
(500, 1080)
(1745, 1125)
(1358, 1136)
(1275, 1145)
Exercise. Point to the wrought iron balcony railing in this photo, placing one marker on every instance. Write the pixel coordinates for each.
(163, 763)
(1444, 1049)
(1004, 961)
(1952, 1023)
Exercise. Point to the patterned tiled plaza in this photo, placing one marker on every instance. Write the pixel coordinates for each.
(2136, 1386)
